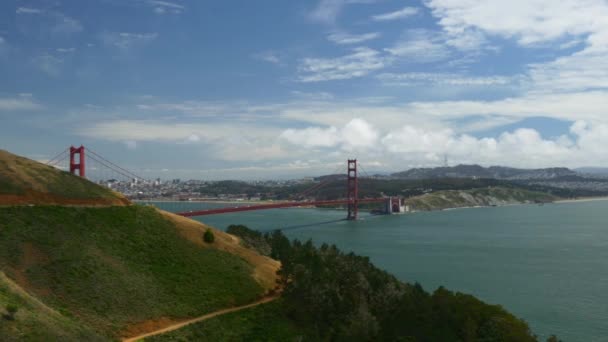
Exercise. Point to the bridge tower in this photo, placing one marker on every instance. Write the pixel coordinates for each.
(352, 189)
(73, 164)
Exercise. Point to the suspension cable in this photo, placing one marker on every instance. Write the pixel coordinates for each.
(131, 174)
(52, 161)
(111, 168)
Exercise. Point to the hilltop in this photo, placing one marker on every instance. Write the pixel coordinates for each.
(101, 268)
(24, 181)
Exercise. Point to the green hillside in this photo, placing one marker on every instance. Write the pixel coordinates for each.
(491, 196)
(34, 321)
(24, 181)
(118, 270)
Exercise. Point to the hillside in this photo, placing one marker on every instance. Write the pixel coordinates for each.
(34, 321)
(476, 171)
(123, 270)
(96, 267)
(24, 181)
(492, 196)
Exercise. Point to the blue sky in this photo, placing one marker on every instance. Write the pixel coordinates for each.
(263, 89)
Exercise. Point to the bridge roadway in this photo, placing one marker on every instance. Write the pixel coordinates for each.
(274, 206)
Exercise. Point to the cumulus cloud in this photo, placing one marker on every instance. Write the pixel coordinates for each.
(399, 14)
(529, 21)
(356, 134)
(523, 147)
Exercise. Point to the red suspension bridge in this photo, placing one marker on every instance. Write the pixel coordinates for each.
(83, 162)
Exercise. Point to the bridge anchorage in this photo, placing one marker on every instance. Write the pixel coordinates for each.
(79, 161)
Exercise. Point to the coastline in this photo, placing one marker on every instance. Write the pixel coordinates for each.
(582, 199)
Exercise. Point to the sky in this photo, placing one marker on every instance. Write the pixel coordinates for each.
(284, 89)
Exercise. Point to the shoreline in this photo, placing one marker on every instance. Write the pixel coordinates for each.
(582, 199)
(559, 201)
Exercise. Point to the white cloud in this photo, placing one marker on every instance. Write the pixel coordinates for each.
(3, 46)
(127, 40)
(28, 10)
(49, 64)
(21, 103)
(413, 145)
(356, 134)
(318, 96)
(346, 38)
(448, 79)
(399, 14)
(359, 63)
(162, 7)
(420, 46)
(65, 50)
(312, 136)
(327, 10)
(269, 56)
(65, 25)
(529, 21)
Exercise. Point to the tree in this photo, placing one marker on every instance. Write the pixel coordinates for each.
(208, 237)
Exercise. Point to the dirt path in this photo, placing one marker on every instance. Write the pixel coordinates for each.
(199, 319)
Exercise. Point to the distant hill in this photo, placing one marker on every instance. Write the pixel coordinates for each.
(482, 197)
(476, 171)
(24, 181)
(593, 171)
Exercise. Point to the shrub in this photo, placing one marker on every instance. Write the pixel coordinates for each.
(208, 237)
(11, 311)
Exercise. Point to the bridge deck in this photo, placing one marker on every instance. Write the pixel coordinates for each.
(274, 206)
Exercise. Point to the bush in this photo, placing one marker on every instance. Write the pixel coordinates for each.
(11, 311)
(250, 238)
(208, 237)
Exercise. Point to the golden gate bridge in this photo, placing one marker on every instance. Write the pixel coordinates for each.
(81, 162)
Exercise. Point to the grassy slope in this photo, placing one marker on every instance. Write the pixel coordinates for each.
(266, 322)
(35, 321)
(24, 181)
(112, 268)
(476, 197)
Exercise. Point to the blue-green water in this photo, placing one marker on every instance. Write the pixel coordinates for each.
(546, 264)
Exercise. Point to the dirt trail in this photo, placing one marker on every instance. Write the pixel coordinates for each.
(200, 319)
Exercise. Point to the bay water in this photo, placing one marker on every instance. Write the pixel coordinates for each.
(546, 264)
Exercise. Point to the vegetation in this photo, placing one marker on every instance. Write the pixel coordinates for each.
(339, 296)
(33, 321)
(24, 181)
(208, 236)
(111, 268)
(477, 197)
(267, 322)
(11, 311)
(250, 238)
(334, 296)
